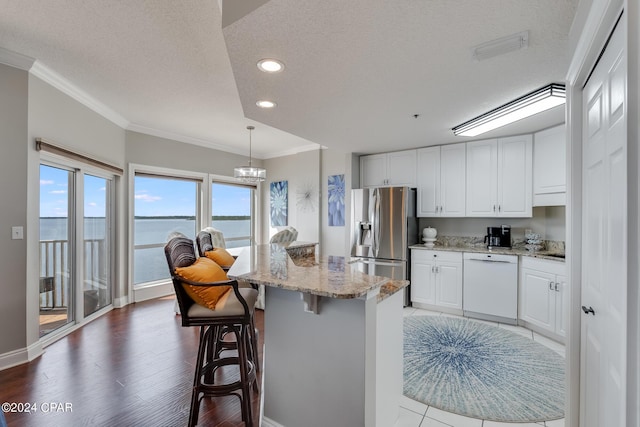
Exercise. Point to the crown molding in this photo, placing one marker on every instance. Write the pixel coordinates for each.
(15, 59)
(65, 86)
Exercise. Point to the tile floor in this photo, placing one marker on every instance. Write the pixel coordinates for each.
(417, 414)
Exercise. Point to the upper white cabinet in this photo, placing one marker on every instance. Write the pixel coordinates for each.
(441, 181)
(549, 167)
(388, 169)
(499, 177)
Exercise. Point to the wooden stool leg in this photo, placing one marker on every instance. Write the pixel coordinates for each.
(195, 398)
(254, 344)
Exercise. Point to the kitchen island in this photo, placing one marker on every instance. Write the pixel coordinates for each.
(333, 339)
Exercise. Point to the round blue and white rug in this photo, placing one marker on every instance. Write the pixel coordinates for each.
(481, 371)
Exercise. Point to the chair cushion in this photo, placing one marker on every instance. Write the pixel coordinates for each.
(204, 270)
(221, 257)
(229, 305)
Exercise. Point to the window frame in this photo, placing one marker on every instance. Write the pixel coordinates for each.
(254, 204)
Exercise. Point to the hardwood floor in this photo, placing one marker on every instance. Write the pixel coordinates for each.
(131, 367)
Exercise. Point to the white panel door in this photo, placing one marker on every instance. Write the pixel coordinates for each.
(562, 306)
(538, 298)
(449, 285)
(482, 175)
(515, 176)
(428, 181)
(604, 238)
(453, 168)
(423, 289)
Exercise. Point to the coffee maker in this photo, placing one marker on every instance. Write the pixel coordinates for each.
(498, 237)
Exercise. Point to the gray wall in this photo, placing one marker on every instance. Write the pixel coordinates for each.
(335, 239)
(155, 151)
(13, 191)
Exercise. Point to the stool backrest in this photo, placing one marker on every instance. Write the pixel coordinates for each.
(288, 234)
(204, 242)
(180, 253)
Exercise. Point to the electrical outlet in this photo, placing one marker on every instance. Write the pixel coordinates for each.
(17, 233)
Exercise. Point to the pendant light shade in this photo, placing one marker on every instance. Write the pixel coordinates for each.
(532, 103)
(250, 173)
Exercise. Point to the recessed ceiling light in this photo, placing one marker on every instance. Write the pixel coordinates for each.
(270, 65)
(266, 104)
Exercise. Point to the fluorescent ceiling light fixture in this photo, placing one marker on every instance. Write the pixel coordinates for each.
(501, 46)
(532, 103)
(270, 65)
(250, 173)
(266, 104)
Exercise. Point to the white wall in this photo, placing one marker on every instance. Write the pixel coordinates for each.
(302, 171)
(335, 239)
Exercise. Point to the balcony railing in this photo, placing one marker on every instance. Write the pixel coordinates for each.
(55, 268)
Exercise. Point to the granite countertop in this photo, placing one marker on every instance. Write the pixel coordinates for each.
(333, 276)
(390, 288)
(551, 255)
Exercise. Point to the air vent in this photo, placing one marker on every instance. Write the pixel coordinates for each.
(501, 46)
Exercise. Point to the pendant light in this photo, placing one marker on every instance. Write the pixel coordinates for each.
(250, 173)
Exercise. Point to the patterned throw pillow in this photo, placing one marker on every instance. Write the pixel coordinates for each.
(220, 255)
(204, 270)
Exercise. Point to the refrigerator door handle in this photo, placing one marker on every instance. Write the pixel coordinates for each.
(376, 223)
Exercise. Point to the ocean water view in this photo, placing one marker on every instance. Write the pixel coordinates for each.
(150, 263)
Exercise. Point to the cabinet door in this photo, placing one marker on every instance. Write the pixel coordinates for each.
(373, 170)
(449, 285)
(428, 181)
(482, 178)
(422, 282)
(538, 298)
(549, 165)
(453, 167)
(562, 310)
(515, 176)
(401, 168)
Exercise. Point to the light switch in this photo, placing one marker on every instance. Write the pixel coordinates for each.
(17, 233)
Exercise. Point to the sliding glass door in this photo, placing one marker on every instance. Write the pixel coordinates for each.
(75, 245)
(57, 251)
(97, 244)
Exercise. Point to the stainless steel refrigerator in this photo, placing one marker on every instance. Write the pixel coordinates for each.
(383, 225)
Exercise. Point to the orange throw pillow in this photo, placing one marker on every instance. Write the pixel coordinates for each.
(221, 257)
(204, 270)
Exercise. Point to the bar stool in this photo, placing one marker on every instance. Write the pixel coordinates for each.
(205, 243)
(235, 314)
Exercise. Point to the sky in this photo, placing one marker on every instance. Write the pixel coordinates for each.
(153, 196)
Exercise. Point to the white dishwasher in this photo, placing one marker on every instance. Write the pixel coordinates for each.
(490, 287)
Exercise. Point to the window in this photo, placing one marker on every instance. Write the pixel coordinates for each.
(162, 205)
(232, 209)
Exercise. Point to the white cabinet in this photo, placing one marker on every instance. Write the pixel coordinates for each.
(436, 280)
(499, 177)
(388, 169)
(441, 181)
(543, 289)
(549, 167)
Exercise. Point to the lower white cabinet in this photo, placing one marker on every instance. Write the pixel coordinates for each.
(436, 280)
(543, 289)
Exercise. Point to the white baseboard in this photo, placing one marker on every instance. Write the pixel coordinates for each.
(266, 422)
(14, 358)
(152, 292)
(121, 302)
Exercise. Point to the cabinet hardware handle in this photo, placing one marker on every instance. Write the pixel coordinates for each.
(433, 268)
(550, 286)
(556, 286)
(588, 310)
(494, 208)
(499, 208)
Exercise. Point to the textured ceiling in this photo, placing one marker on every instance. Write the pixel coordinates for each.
(356, 71)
